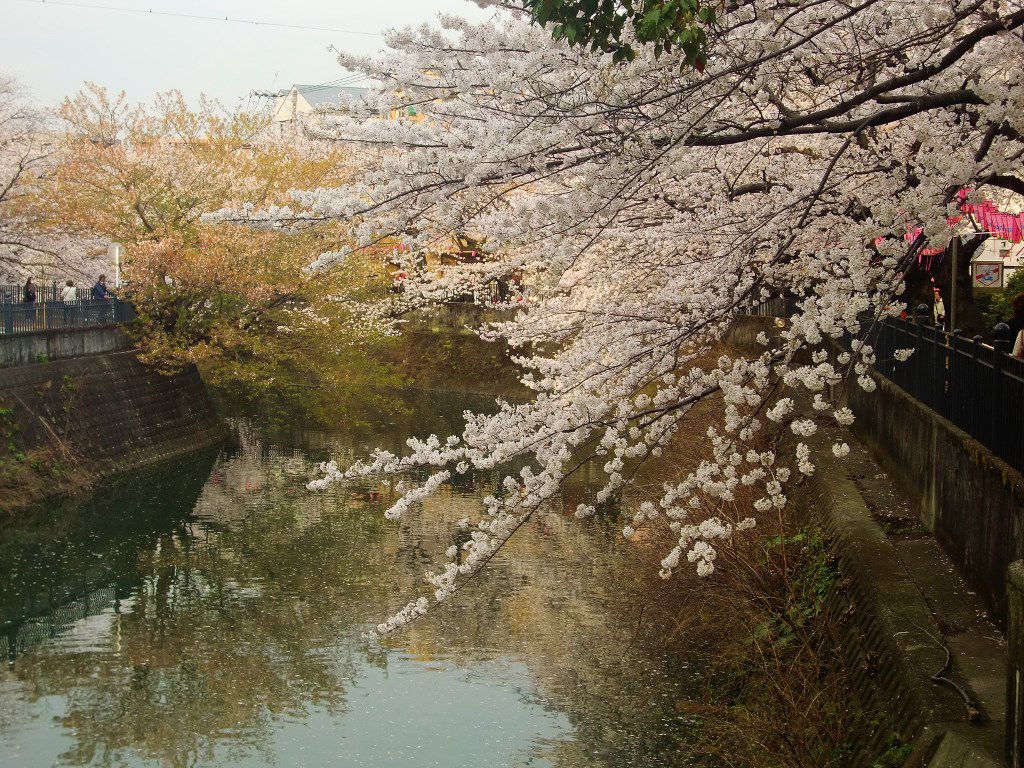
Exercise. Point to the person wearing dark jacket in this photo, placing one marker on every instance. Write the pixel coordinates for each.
(29, 297)
(99, 291)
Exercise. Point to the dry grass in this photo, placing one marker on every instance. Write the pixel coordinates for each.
(777, 691)
(32, 471)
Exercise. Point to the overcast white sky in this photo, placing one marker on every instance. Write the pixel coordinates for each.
(146, 46)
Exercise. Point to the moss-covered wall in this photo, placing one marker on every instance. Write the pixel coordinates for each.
(96, 414)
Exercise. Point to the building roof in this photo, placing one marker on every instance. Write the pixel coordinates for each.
(327, 95)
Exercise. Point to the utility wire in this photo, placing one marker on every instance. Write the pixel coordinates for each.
(338, 83)
(331, 86)
(151, 12)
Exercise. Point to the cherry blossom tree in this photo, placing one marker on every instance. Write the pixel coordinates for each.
(647, 203)
(24, 153)
(144, 176)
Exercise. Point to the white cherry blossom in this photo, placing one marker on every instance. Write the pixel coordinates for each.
(646, 206)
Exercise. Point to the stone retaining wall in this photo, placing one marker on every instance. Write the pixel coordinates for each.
(44, 346)
(890, 637)
(110, 410)
(972, 501)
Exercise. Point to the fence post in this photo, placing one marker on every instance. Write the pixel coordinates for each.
(1015, 667)
(1000, 427)
(941, 399)
(8, 317)
(972, 412)
(919, 369)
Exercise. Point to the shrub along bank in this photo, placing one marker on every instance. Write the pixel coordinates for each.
(777, 689)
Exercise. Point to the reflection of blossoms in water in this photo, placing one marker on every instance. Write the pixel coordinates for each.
(266, 606)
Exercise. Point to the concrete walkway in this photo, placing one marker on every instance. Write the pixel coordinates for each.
(950, 654)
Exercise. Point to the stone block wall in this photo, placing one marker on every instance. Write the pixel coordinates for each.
(111, 410)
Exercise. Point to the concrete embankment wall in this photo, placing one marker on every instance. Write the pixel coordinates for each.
(110, 411)
(44, 346)
(889, 640)
(972, 501)
(893, 635)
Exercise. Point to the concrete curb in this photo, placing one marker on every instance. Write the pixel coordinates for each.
(900, 648)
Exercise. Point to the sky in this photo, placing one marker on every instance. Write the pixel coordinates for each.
(144, 47)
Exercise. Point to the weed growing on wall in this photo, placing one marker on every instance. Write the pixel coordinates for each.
(38, 462)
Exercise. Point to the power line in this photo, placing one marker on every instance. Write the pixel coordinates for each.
(151, 12)
(340, 82)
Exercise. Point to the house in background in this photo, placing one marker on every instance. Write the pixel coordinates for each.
(303, 99)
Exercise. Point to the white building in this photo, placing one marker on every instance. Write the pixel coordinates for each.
(303, 99)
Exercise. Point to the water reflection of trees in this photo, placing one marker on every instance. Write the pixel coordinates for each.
(231, 627)
(565, 598)
(54, 558)
(251, 611)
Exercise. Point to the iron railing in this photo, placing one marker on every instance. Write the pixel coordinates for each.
(16, 293)
(19, 317)
(977, 386)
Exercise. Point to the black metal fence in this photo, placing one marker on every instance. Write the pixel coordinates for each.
(19, 317)
(977, 386)
(16, 293)
(780, 306)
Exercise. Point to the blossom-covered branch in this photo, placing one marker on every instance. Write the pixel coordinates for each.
(646, 204)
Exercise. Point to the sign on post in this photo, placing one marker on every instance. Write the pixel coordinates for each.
(987, 274)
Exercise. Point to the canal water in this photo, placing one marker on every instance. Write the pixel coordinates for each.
(214, 612)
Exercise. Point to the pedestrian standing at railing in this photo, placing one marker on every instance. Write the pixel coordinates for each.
(99, 291)
(29, 297)
(68, 294)
(939, 309)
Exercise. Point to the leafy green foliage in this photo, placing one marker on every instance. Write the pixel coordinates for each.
(895, 755)
(604, 24)
(995, 308)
